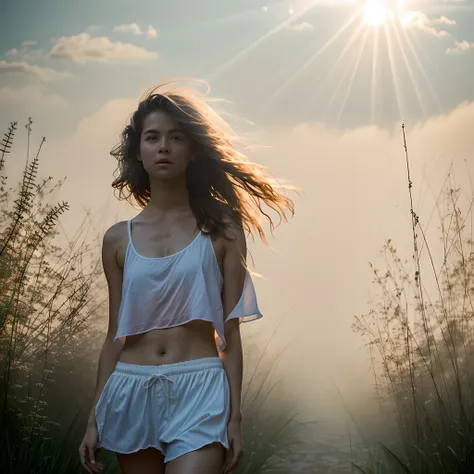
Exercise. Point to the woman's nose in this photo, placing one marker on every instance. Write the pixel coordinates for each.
(163, 144)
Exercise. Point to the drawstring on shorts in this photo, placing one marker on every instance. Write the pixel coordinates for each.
(161, 377)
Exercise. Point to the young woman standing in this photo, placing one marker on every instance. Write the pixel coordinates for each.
(168, 394)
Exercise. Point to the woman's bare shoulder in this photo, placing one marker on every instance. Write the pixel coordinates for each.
(116, 239)
(233, 233)
(115, 233)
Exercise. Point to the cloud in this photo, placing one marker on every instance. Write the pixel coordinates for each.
(84, 48)
(304, 26)
(32, 72)
(23, 47)
(25, 51)
(30, 101)
(114, 113)
(134, 28)
(33, 94)
(417, 19)
(460, 47)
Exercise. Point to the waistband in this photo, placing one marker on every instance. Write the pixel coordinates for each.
(169, 369)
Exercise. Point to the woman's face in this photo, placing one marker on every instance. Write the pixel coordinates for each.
(165, 150)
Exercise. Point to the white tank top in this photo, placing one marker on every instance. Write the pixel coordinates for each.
(169, 291)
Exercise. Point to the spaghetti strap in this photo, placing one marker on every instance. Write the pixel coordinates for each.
(129, 226)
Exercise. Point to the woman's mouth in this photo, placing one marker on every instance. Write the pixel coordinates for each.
(163, 162)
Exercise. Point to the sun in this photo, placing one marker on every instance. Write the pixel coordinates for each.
(375, 13)
(378, 13)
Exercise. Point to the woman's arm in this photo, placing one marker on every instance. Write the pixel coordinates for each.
(234, 275)
(110, 350)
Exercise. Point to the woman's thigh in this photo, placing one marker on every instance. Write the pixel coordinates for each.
(145, 461)
(206, 460)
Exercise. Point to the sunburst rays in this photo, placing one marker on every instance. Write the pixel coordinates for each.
(375, 45)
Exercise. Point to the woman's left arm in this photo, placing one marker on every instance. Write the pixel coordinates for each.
(232, 359)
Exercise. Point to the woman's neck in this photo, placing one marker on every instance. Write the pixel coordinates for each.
(168, 197)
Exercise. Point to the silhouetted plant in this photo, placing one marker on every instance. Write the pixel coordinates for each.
(423, 347)
(47, 293)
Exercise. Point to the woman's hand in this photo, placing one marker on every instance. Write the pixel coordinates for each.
(236, 449)
(87, 450)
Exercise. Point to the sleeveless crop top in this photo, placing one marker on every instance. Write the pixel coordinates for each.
(170, 291)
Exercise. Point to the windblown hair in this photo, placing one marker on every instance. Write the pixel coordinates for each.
(223, 184)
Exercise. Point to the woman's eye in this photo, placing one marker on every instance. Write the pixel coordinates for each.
(176, 137)
(151, 137)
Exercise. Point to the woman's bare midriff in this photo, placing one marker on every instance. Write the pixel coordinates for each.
(190, 341)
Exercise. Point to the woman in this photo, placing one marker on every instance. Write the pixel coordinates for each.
(168, 393)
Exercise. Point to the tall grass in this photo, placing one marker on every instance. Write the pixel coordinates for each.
(421, 341)
(52, 314)
(47, 294)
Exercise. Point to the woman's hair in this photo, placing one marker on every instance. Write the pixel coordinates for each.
(223, 184)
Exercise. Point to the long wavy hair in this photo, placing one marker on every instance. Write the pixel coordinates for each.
(223, 184)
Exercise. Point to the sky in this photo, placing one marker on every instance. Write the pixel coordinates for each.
(324, 88)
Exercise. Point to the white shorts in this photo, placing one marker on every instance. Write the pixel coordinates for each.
(175, 408)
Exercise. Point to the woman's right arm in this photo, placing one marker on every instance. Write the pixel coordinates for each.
(114, 275)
